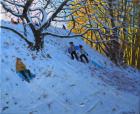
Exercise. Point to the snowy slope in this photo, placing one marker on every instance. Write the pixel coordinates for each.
(62, 85)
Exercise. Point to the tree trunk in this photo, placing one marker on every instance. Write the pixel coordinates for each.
(115, 48)
(38, 41)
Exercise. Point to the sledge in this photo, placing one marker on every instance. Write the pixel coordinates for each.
(97, 65)
(20, 75)
(23, 78)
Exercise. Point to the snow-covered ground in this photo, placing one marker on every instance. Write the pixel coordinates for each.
(62, 85)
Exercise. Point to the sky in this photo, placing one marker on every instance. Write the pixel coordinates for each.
(4, 16)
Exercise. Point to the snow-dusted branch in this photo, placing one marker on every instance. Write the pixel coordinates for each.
(99, 41)
(14, 3)
(8, 9)
(47, 3)
(47, 24)
(70, 36)
(18, 33)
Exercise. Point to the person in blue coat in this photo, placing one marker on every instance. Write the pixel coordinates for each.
(72, 51)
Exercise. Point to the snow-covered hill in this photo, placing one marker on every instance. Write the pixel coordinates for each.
(62, 85)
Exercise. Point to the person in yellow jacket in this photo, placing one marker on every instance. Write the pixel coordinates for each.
(21, 68)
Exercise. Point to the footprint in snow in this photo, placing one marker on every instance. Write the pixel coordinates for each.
(7, 79)
(52, 86)
(72, 85)
(33, 112)
(7, 102)
(68, 101)
(114, 109)
(2, 60)
(82, 104)
(39, 98)
(5, 108)
(45, 96)
(104, 93)
(30, 112)
(15, 103)
(49, 105)
(12, 70)
(6, 94)
(6, 56)
(16, 84)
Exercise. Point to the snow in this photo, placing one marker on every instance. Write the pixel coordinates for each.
(62, 85)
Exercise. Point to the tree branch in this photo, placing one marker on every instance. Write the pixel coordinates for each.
(72, 36)
(19, 34)
(47, 24)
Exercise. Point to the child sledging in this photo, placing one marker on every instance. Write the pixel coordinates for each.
(72, 51)
(83, 54)
(24, 73)
(78, 53)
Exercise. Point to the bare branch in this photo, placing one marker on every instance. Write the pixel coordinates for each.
(72, 36)
(47, 24)
(19, 34)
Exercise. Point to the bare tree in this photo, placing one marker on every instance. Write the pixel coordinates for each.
(107, 23)
(38, 15)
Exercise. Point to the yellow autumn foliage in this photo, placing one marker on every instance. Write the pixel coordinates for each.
(86, 19)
